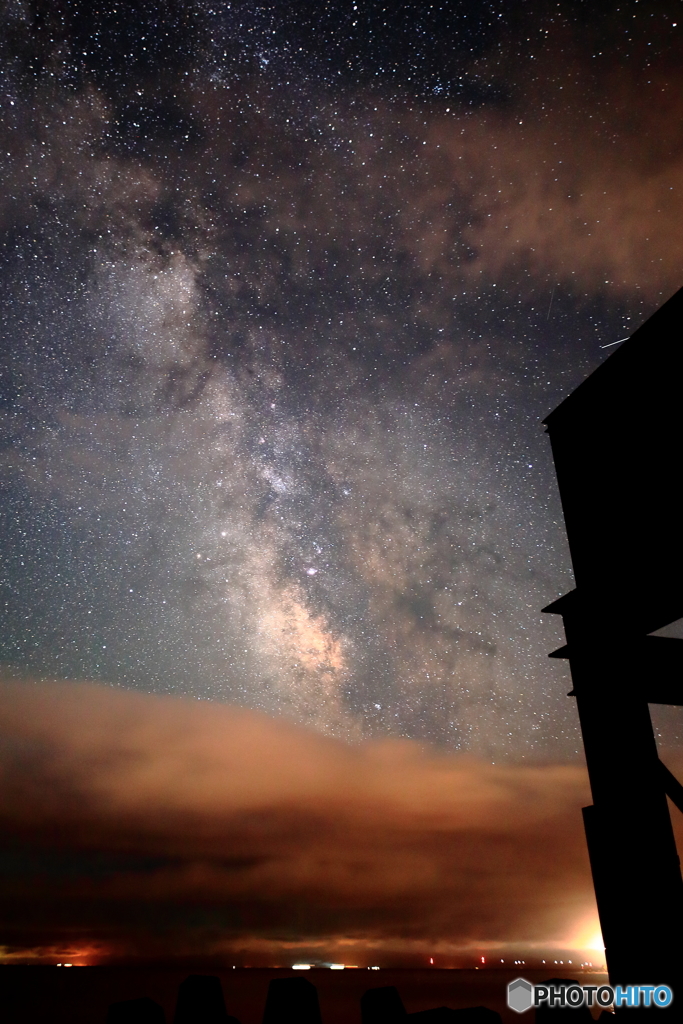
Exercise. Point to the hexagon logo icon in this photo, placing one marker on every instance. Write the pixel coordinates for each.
(520, 995)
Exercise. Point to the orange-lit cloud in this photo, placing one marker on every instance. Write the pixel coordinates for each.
(554, 196)
(143, 825)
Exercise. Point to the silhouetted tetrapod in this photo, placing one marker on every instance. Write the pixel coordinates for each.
(556, 1014)
(136, 1011)
(444, 1015)
(200, 1001)
(382, 1006)
(291, 1001)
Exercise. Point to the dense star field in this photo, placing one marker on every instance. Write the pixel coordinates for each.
(287, 290)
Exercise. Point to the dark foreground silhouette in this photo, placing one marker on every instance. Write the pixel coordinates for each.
(165, 995)
(292, 1001)
(289, 1001)
(615, 441)
(200, 1001)
(385, 1006)
(136, 1011)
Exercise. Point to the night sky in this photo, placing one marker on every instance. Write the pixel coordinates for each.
(287, 289)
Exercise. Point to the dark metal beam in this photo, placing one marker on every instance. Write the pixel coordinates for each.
(672, 786)
(658, 660)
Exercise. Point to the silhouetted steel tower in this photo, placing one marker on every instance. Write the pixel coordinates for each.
(617, 443)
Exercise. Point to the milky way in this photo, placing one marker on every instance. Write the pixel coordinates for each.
(284, 306)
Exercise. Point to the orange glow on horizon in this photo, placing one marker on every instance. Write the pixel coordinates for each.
(587, 938)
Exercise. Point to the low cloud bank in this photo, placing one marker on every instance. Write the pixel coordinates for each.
(140, 825)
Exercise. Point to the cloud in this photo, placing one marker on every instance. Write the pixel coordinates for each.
(561, 202)
(138, 824)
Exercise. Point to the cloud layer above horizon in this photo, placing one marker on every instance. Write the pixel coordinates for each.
(143, 826)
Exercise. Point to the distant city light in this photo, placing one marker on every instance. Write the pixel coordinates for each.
(301, 967)
(337, 967)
